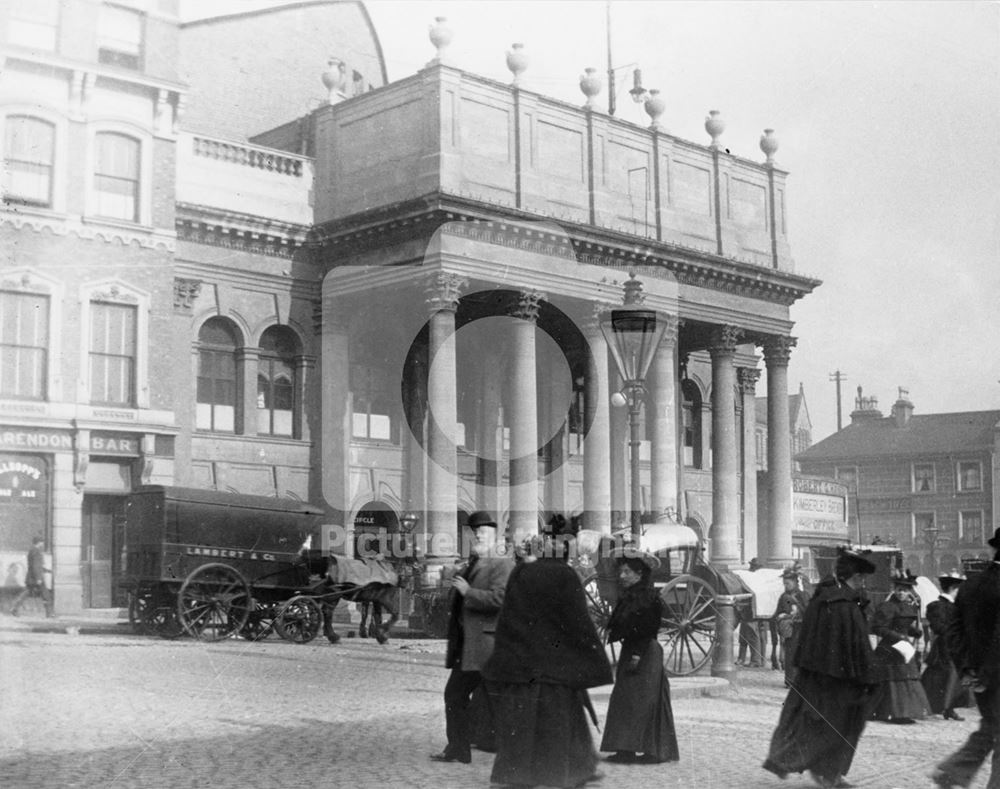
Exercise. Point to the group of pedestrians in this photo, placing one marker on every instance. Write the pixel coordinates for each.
(522, 630)
(840, 681)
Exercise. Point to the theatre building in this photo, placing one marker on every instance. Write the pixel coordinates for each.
(235, 257)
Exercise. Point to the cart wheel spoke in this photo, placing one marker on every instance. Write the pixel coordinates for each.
(687, 631)
(299, 619)
(214, 602)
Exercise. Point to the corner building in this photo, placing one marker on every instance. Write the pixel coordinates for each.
(284, 276)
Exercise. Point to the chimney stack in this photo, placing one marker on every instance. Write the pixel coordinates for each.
(865, 408)
(902, 409)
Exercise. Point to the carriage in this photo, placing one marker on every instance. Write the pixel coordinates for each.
(686, 583)
(213, 565)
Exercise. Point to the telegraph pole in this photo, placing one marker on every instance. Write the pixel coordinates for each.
(838, 377)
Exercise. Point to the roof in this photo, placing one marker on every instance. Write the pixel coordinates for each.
(969, 431)
(796, 405)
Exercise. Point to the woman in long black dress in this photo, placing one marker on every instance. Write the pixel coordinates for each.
(896, 622)
(940, 679)
(545, 656)
(640, 719)
(825, 711)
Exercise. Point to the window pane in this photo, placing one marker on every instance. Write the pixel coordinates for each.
(23, 345)
(116, 176)
(225, 418)
(29, 148)
(359, 425)
(282, 423)
(120, 30)
(969, 477)
(112, 353)
(380, 427)
(33, 23)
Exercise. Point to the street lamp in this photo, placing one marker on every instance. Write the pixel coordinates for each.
(633, 334)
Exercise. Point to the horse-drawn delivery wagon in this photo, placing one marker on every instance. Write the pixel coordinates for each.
(214, 564)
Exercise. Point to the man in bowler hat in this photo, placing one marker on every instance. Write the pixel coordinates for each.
(477, 594)
(974, 645)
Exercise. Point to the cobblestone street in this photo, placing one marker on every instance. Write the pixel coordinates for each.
(109, 710)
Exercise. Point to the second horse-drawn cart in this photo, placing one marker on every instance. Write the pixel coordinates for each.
(213, 565)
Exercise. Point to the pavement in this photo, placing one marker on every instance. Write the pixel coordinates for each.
(86, 703)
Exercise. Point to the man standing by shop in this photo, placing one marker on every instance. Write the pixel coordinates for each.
(477, 594)
(34, 579)
(973, 639)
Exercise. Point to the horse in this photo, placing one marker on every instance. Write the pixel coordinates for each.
(371, 582)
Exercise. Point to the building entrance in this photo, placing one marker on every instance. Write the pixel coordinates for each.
(102, 543)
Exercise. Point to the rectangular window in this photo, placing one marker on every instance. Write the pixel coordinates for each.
(24, 342)
(29, 150)
(923, 478)
(216, 400)
(119, 37)
(112, 354)
(116, 176)
(970, 527)
(275, 397)
(970, 475)
(923, 524)
(847, 476)
(34, 23)
(372, 417)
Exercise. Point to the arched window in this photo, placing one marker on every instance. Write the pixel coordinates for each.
(276, 383)
(692, 423)
(217, 389)
(29, 151)
(116, 176)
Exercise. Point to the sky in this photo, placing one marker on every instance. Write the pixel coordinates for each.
(888, 116)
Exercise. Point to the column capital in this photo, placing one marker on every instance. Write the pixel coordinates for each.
(592, 322)
(672, 324)
(778, 350)
(724, 340)
(526, 305)
(443, 292)
(747, 377)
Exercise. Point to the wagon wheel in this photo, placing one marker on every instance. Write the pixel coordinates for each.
(598, 608)
(214, 602)
(163, 621)
(299, 620)
(687, 632)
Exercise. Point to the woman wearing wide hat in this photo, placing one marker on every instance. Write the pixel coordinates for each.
(640, 722)
(901, 697)
(940, 679)
(825, 711)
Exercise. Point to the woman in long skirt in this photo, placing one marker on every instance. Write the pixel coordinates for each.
(640, 719)
(545, 656)
(901, 697)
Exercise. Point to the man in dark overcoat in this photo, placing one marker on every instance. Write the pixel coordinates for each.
(940, 679)
(34, 579)
(477, 595)
(973, 638)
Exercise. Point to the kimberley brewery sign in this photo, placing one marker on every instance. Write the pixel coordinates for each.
(819, 508)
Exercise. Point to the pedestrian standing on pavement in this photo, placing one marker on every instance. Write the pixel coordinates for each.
(477, 595)
(752, 640)
(940, 679)
(973, 638)
(547, 654)
(901, 697)
(825, 711)
(640, 719)
(34, 579)
(788, 615)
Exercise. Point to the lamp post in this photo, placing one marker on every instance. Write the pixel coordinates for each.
(933, 539)
(633, 334)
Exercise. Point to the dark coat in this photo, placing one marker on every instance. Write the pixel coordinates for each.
(833, 640)
(545, 633)
(473, 619)
(35, 576)
(939, 613)
(636, 619)
(973, 635)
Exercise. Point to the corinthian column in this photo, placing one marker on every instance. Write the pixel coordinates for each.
(725, 488)
(747, 378)
(597, 443)
(661, 411)
(523, 409)
(777, 537)
(442, 494)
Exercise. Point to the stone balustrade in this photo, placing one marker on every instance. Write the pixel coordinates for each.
(249, 155)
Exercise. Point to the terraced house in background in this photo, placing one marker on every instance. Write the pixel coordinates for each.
(235, 257)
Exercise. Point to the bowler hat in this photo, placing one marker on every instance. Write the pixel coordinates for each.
(950, 579)
(480, 518)
(994, 541)
(755, 563)
(857, 563)
(790, 573)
